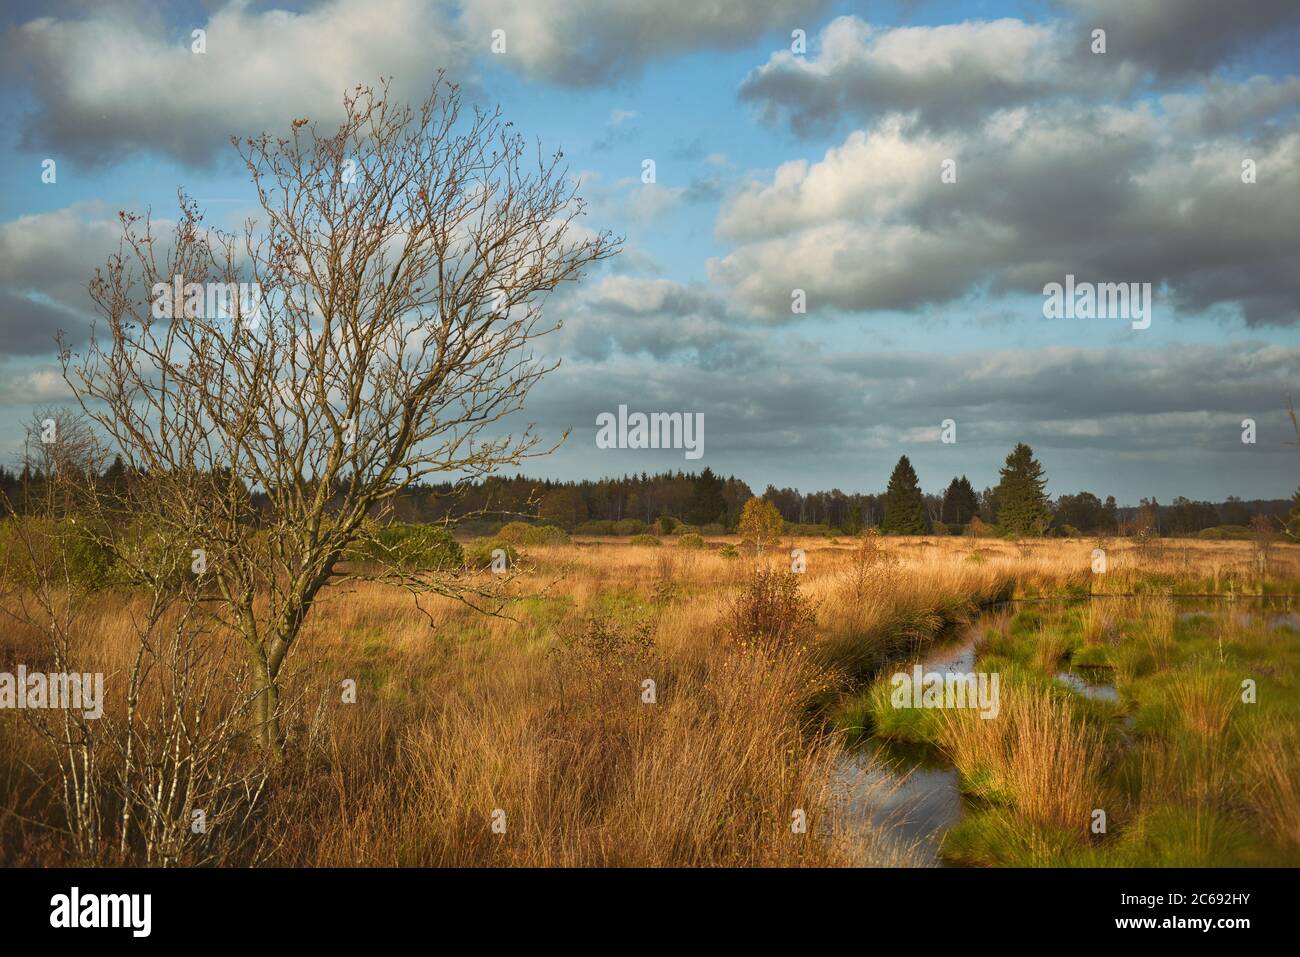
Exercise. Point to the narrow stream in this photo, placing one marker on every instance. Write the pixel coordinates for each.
(913, 793)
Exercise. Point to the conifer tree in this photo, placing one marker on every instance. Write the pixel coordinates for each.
(960, 503)
(904, 506)
(1023, 508)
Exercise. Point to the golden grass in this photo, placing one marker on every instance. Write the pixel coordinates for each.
(1098, 624)
(460, 716)
(1036, 754)
(1272, 767)
(1204, 700)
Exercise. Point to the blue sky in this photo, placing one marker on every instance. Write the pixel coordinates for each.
(775, 170)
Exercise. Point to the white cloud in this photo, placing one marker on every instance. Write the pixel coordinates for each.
(107, 85)
(1108, 194)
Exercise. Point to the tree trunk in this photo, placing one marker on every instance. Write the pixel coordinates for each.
(266, 706)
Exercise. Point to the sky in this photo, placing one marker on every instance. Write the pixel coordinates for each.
(919, 171)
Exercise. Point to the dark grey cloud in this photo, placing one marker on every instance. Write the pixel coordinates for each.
(28, 326)
(638, 316)
(1180, 37)
(1223, 108)
(815, 420)
(46, 263)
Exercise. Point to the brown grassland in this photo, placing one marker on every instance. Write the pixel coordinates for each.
(544, 721)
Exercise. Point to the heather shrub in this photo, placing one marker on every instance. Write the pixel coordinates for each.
(57, 550)
(478, 553)
(521, 533)
(770, 613)
(411, 547)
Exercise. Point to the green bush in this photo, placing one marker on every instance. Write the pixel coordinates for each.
(729, 551)
(690, 540)
(145, 554)
(629, 526)
(713, 528)
(54, 550)
(938, 528)
(684, 529)
(521, 533)
(595, 527)
(665, 524)
(411, 546)
(478, 553)
(807, 530)
(644, 540)
(1236, 533)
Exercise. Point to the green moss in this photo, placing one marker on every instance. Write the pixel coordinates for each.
(998, 837)
(1092, 656)
(875, 711)
(1171, 836)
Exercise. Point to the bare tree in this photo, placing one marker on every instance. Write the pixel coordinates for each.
(59, 456)
(392, 294)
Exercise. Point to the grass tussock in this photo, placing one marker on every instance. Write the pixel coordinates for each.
(1036, 755)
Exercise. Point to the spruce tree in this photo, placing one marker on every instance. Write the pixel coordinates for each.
(706, 504)
(904, 506)
(960, 503)
(1023, 509)
(949, 502)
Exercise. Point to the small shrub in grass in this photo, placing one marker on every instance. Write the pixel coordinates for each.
(665, 524)
(647, 540)
(629, 526)
(713, 528)
(684, 529)
(1220, 533)
(56, 550)
(145, 554)
(521, 533)
(596, 527)
(729, 551)
(770, 613)
(412, 547)
(478, 553)
(605, 643)
(938, 528)
(690, 541)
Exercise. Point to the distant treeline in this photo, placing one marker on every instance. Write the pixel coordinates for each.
(630, 503)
